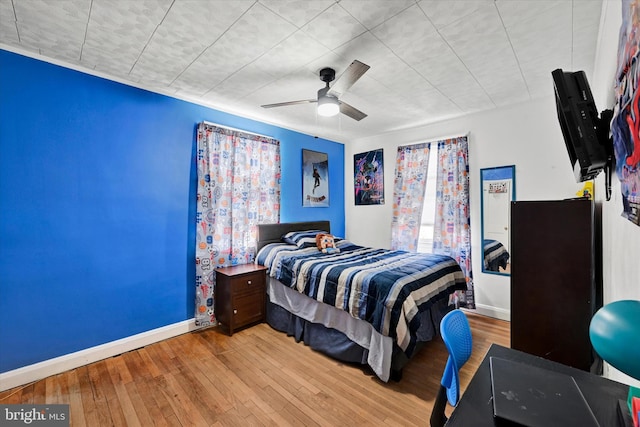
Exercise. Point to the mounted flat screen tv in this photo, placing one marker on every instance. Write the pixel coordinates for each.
(586, 135)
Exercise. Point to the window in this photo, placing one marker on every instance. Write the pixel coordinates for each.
(425, 238)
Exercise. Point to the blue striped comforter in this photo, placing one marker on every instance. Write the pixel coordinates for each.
(383, 287)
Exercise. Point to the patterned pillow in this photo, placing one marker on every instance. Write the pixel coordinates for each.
(302, 239)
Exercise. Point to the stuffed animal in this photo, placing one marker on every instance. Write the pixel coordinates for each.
(326, 243)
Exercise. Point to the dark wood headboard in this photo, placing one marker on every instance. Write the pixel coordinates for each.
(272, 233)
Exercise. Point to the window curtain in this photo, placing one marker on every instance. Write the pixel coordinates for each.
(451, 235)
(412, 163)
(238, 188)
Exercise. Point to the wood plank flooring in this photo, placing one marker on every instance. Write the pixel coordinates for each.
(257, 377)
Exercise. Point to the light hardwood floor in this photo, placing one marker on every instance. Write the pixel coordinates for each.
(256, 377)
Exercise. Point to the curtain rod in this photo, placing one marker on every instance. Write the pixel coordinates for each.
(235, 129)
(430, 140)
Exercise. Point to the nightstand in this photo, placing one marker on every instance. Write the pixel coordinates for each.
(240, 295)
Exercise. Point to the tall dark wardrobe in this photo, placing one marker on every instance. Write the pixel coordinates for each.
(556, 279)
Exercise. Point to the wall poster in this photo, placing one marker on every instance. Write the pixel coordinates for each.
(315, 179)
(368, 180)
(625, 126)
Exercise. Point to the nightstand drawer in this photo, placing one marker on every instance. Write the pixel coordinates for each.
(248, 284)
(248, 309)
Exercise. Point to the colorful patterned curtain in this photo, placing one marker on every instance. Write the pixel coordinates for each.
(238, 188)
(412, 163)
(451, 234)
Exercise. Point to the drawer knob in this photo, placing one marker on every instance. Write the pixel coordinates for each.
(248, 282)
(235, 311)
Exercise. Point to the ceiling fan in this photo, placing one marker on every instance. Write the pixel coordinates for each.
(328, 102)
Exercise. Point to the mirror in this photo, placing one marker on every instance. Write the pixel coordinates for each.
(498, 190)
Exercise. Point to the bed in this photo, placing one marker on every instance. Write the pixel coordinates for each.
(496, 255)
(381, 318)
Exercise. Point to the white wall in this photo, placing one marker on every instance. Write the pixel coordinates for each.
(620, 238)
(526, 135)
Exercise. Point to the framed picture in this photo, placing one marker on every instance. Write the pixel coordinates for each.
(315, 179)
(368, 180)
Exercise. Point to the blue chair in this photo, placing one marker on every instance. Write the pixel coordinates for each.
(456, 335)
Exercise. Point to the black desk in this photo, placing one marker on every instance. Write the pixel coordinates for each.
(475, 408)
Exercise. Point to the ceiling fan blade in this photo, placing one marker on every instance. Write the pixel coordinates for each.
(284, 104)
(352, 112)
(348, 78)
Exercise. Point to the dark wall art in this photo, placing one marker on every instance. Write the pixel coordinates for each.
(315, 179)
(368, 180)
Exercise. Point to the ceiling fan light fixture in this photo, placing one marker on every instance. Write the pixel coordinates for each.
(327, 100)
(328, 106)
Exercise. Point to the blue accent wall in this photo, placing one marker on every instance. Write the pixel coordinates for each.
(97, 207)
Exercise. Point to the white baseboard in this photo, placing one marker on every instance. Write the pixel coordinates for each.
(54, 366)
(498, 313)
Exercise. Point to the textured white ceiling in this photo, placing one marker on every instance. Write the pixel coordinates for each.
(430, 59)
